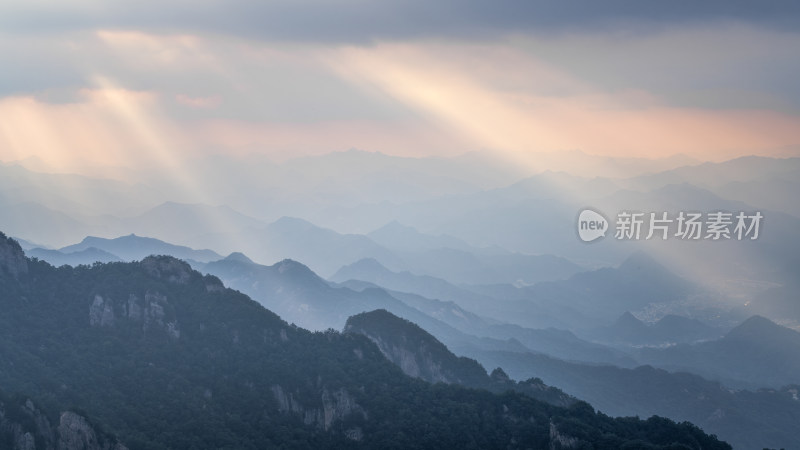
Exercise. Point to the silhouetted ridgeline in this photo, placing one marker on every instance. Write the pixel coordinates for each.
(164, 357)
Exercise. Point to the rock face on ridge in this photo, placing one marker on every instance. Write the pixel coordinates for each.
(420, 355)
(168, 268)
(23, 426)
(414, 350)
(336, 406)
(152, 310)
(12, 257)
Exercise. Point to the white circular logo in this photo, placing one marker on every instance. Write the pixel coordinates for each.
(591, 225)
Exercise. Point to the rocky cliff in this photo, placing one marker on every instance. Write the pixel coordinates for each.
(336, 406)
(23, 426)
(418, 354)
(414, 350)
(12, 257)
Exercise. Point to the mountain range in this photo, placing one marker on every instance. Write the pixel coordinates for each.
(671, 329)
(164, 357)
(487, 232)
(764, 418)
(756, 353)
(134, 248)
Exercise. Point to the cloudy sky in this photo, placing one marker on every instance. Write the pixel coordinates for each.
(92, 83)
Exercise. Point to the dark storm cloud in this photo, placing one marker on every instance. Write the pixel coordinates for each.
(358, 21)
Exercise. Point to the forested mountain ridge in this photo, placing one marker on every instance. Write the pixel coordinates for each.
(164, 357)
(421, 355)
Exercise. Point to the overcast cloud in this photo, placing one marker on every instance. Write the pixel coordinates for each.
(359, 21)
(98, 81)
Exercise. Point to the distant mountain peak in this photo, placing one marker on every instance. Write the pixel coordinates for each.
(363, 268)
(757, 321)
(760, 328)
(89, 239)
(296, 269)
(94, 241)
(628, 324)
(239, 257)
(368, 263)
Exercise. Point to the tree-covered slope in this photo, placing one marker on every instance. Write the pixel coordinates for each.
(164, 357)
(421, 355)
(745, 419)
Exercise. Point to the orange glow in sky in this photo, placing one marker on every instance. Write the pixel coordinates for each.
(179, 96)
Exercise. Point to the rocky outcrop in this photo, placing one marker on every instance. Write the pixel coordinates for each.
(335, 405)
(101, 313)
(152, 312)
(561, 441)
(213, 284)
(419, 354)
(418, 364)
(12, 257)
(414, 350)
(168, 268)
(25, 427)
(75, 432)
(286, 401)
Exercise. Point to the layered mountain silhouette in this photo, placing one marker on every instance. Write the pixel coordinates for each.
(757, 353)
(323, 250)
(396, 236)
(421, 355)
(587, 299)
(479, 254)
(88, 255)
(165, 357)
(747, 419)
(303, 298)
(671, 329)
(457, 262)
(311, 302)
(372, 271)
(134, 248)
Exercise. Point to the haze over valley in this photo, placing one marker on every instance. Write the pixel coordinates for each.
(337, 225)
